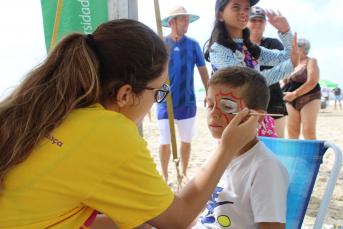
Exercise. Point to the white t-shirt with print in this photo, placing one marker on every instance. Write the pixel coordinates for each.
(252, 189)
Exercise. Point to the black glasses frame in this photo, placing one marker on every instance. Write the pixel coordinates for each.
(159, 90)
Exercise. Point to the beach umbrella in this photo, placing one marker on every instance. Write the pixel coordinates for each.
(201, 89)
(323, 83)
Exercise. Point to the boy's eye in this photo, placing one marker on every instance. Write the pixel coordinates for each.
(228, 106)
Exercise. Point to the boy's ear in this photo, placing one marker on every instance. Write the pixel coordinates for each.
(123, 95)
(261, 117)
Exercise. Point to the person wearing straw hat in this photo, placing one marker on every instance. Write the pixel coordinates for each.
(185, 53)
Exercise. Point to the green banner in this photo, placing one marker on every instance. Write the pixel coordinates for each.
(82, 16)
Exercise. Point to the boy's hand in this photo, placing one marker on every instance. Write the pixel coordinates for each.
(278, 21)
(295, 54)
(240, 131)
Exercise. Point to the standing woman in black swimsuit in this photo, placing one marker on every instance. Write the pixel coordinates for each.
(302, 95)
(256, 25)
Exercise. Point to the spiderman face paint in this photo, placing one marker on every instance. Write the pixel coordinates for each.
(227, 104)
(222, 102)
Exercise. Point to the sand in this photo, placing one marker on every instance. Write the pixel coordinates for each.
(329, 128)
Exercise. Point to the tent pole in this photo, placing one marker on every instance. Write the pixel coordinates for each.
(176, 159)
(57, 21)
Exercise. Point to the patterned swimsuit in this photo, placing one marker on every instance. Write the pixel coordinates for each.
(296, 80)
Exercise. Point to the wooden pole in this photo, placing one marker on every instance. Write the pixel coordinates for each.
(57, 22)
(169, 103)
(124, 9)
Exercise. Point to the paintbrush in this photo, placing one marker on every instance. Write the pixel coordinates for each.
(262, 114)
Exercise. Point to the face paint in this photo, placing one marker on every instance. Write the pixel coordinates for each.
(219, 106)
(228, 106)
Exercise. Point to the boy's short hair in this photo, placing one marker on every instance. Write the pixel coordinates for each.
(254, 88)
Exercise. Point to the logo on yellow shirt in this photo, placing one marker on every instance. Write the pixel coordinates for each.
(54, 140)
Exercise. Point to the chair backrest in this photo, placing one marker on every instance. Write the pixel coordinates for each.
(302, 159)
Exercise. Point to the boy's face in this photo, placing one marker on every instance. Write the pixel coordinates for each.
(222, 101)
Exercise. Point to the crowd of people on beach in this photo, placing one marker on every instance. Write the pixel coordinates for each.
(71, 155)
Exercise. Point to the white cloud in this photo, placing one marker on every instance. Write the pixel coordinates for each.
(332, 11)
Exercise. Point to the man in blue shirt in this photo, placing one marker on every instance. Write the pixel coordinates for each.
(185, 53)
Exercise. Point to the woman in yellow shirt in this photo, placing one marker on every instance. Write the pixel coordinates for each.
(69, 141)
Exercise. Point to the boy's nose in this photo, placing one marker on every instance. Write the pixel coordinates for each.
(215, 113)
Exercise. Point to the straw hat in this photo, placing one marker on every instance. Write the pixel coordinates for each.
(177, 11)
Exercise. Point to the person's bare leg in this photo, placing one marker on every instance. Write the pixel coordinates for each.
(293, 122)
(280, 126)
(335, 105)
(309, 114)
(164, 151)
(340, 107)
(185, 152)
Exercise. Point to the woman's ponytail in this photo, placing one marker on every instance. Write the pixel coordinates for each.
(79, 71)
(66, 80)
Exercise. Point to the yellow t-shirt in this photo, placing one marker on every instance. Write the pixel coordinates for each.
(95, 160)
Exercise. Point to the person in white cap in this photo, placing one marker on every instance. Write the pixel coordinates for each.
(185, 53)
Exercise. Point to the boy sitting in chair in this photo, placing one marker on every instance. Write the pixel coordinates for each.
(252, 192)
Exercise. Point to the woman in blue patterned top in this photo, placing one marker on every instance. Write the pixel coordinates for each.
(230, 45)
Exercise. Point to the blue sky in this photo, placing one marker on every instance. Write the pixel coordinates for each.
(319, 21)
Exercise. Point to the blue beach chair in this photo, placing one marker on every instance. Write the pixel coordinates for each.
(302, 158)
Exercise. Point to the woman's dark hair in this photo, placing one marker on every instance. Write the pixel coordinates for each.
(79, 71)
(220, 36)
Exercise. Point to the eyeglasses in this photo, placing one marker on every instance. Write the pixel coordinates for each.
(161, 93)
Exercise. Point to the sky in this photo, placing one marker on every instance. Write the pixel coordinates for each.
(22, 44)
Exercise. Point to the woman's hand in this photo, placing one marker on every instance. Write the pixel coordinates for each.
(290, 96)
(278, 21)
(240, 131)
(295, 53)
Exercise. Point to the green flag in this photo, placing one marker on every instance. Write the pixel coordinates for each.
(82, 16)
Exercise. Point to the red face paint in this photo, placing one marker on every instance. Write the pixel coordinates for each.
(216, 104)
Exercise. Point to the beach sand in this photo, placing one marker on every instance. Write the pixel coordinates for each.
(329, 127)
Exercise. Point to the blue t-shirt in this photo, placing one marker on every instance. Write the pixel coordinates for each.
(184, 55)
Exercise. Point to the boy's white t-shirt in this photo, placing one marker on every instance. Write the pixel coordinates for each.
(253, 189)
